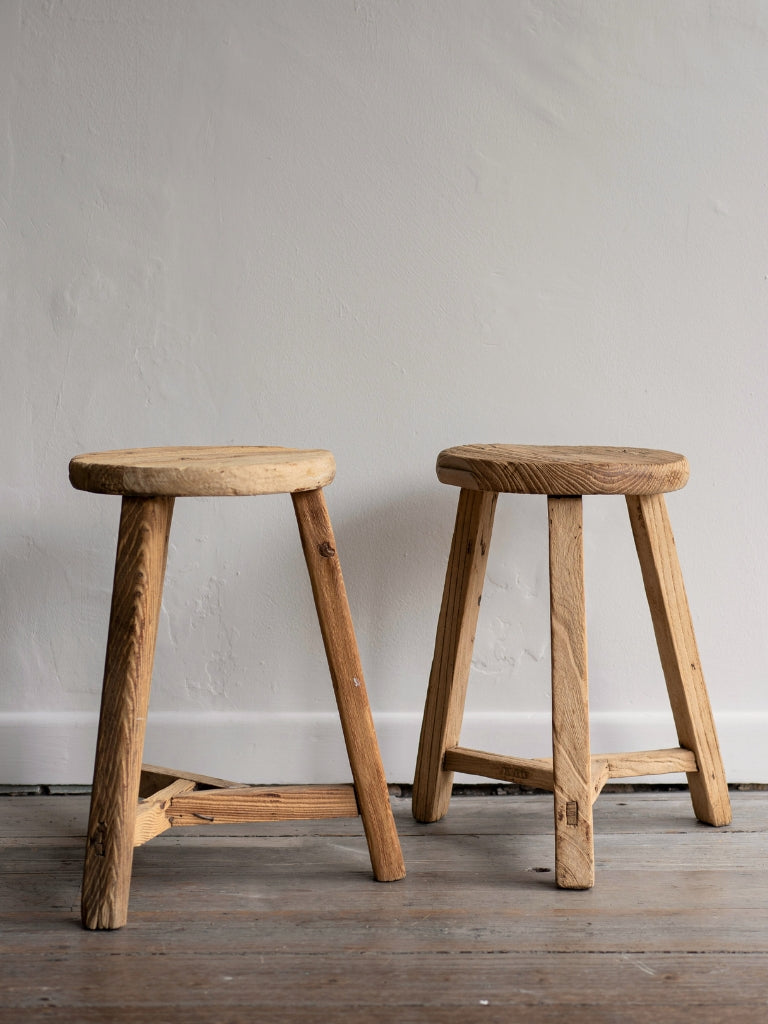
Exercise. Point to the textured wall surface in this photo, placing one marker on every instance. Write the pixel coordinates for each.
(382, 228)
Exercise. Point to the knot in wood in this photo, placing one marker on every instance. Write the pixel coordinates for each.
(98, 839)
(327, 550)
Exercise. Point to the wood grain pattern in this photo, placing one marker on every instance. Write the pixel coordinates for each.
(648, 762)
(454, 987)
(262, 803)
(561, 470)
(286, 925)
(640, 762)
(572, 767)
(184, 802)
(319, 546)
(455, 639)
(679, 655)
(137, 591)
(537, 772)
(154, 778)
(152, 812)
(574, 775)
(644, 813)
(116, 823)
(524, 771)
(202, 471)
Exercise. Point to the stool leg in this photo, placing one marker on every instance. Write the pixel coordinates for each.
(679, 655)
(574, 850)
(348, 684)
(139, 570)
(456, 627)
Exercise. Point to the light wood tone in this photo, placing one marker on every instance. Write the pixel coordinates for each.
(262, 803)
(601, 775)
(139, 571)
(189, 799)
(182, 804)
(455, 638)
(319, 545)
(561, 470)
(679, 655)
(202, 471)
(155, 778)
(537, 773)
(640, 762)
(152, 812)
(572, 766)
(649, 762)
(116, 823)
(575, 776)
(523, 771)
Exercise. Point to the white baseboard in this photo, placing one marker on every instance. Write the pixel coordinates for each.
(49, 748)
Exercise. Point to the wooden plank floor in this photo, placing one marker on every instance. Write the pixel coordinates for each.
(282, 922)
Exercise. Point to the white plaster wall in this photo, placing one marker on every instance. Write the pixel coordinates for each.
(383, 228)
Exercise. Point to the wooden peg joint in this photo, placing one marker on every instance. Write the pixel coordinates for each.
(98, 839)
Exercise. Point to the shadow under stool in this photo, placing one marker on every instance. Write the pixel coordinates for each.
(573, 774)
(149, 480)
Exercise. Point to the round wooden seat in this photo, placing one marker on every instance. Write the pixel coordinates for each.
(202, 471)
(561, 470)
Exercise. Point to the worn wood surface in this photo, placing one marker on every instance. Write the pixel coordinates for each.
(639, 762)
(191, 801)
(154, 778)
(142, 548)
(262, 803)
(679, 655)
(537, 772)
(149, 480)
(279, 921)
(330, 596)
(575, 777)
(202, 471)
(571, 762)
(562, 470)
(457, 622)
(152, 813)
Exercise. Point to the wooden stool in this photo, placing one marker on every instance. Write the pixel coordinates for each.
(572, 774)
(149, 480)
